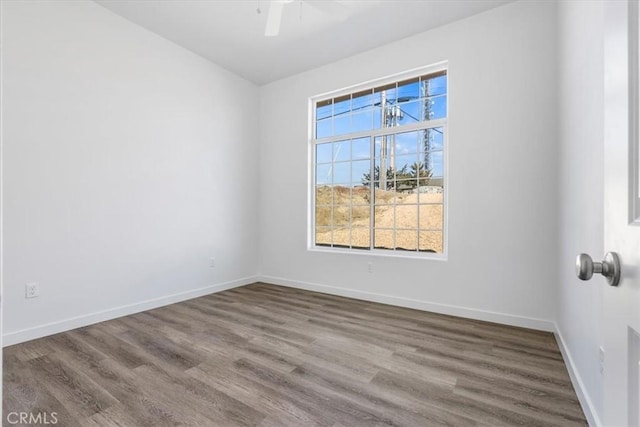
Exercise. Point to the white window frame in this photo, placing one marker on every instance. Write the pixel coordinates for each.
(312, 142)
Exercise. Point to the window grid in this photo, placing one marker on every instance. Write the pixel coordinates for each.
(370, 224)
(334, 205)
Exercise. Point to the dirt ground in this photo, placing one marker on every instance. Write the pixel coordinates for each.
(343, 217)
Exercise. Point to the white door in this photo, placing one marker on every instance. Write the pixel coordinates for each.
(622, 214)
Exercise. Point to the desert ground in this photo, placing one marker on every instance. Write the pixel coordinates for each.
(343, 216)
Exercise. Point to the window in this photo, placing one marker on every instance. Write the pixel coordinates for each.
(379, 166)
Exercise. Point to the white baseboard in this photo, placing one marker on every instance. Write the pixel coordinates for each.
(581, 391)
(470, 313)
(125, 310)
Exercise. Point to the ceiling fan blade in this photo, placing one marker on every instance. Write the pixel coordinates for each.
(330, 7)
(273, 18)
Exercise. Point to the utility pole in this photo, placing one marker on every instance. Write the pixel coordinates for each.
(427, 133)
(383, 145)
(394, 115)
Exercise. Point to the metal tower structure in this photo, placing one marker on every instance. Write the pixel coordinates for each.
(427, 116)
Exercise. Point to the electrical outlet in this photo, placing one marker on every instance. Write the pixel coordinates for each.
(31, 290)
(370, 267)
(212, 262)
(601, 360)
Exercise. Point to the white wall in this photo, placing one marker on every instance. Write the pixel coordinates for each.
(502, 130)
(128, 162)
(580, 96)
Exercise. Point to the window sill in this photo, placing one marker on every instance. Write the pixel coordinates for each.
(381, 253)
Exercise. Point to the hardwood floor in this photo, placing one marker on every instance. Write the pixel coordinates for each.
(273, 356)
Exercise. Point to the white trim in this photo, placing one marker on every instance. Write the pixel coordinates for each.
(581, 391)
(389, 253)
(434, 307)
(40, 331)
(410, 127)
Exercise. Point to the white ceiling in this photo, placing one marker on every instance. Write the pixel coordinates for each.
(231, 32)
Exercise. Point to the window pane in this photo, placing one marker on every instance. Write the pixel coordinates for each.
(407, 216)
(383, 239)
(342, 237)
(360, 216)
(341, 195)
(360, 171)
(384, 172)
(323, 174)
(324, 109)
(361, 148)
(435, 107)
(431, 194)
(377, 116)
(438, 183)
(341, 124)
(324, 112)
(407, 240)
(406, 143)
(432, 139)
(403, 165)
(323, 153)
(434, 90)
(431, 217)
(361, 195)
(393, 115)
(386, 94)
(409, 90)
(362, 101)
(323, 236)
(419, 170)
(360, 237)
(323, 216)
(341, 151)
(323, 128)
(406, 197)
(324, 195)
(362, 121)
(404, 186)
(431, 86)
(341, 215)
(430, 241)
(384, 197)
(412, 112)
(341, 105)
(384, 216)
(425, 181)
(342, 173)
(436, 163)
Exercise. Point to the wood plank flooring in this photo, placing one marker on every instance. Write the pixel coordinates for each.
(272, 356)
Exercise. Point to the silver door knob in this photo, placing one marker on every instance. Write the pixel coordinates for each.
(609, 267)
